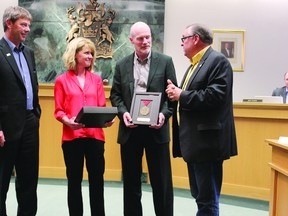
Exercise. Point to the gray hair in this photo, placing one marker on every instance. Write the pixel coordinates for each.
(13, 13)
(204, 33)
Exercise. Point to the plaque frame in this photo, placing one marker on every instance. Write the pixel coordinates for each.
(144, 118)
(96, 117)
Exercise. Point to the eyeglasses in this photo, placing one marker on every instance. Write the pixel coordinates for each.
(183, 38)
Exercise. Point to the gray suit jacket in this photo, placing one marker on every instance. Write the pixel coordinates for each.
(161, 69)
(13, 92)
(206, 131)
(280, 92)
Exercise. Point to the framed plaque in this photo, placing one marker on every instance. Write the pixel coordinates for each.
(145, 108)
(96, 117)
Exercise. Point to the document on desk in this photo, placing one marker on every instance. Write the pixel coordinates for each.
(283, 140)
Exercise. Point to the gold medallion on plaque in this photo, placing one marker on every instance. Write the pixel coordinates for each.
(145, 110)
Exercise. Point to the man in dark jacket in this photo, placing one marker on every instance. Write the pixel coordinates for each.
(144, 71)
(204, 133)
(19, 113)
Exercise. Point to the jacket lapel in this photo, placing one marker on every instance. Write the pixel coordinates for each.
(153, 67)
(185, 75)
(130, 75)
(8, 55)
(200, 64)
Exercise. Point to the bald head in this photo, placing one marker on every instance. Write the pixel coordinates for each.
(139, 28)
(140, 37)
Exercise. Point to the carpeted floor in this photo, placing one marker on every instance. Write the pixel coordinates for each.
(52, 201)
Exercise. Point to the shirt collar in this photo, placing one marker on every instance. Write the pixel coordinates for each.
(197, 57)
(137, 60)
(12, 45)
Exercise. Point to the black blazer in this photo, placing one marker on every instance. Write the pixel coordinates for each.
(13, 93)
(207, 131)
(161, 69)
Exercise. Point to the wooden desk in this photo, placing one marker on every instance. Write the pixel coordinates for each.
(248, 174)
(279, 179)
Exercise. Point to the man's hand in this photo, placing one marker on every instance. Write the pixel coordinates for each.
(172, 91)
(161, 120)
(128, 120)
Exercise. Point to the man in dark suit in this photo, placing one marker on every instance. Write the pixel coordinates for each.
(204, 134)
(283, 90)
(227, 49)
(19, 113)
(144, 71)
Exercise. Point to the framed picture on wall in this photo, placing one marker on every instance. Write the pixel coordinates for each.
(231, 44)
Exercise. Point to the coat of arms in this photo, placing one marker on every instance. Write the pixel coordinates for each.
(92, 21)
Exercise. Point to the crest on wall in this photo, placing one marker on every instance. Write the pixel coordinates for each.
(51, 26)
(92, 21)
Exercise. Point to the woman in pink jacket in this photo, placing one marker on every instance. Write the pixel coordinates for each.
(74, 89)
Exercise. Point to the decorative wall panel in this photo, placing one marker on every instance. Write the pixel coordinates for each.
(51, 26)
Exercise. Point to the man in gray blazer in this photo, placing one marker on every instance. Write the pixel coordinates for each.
(283, 90)
(204, 135)
(144, 71)
(19, 113)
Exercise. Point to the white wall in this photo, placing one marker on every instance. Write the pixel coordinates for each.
(5, 4)
(266, 37)
(266, 44)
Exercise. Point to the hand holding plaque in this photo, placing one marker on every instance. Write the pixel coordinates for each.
(145, 107)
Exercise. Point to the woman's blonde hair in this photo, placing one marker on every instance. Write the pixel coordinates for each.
(73, 47)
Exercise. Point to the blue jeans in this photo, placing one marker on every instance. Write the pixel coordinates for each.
(205, 185)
